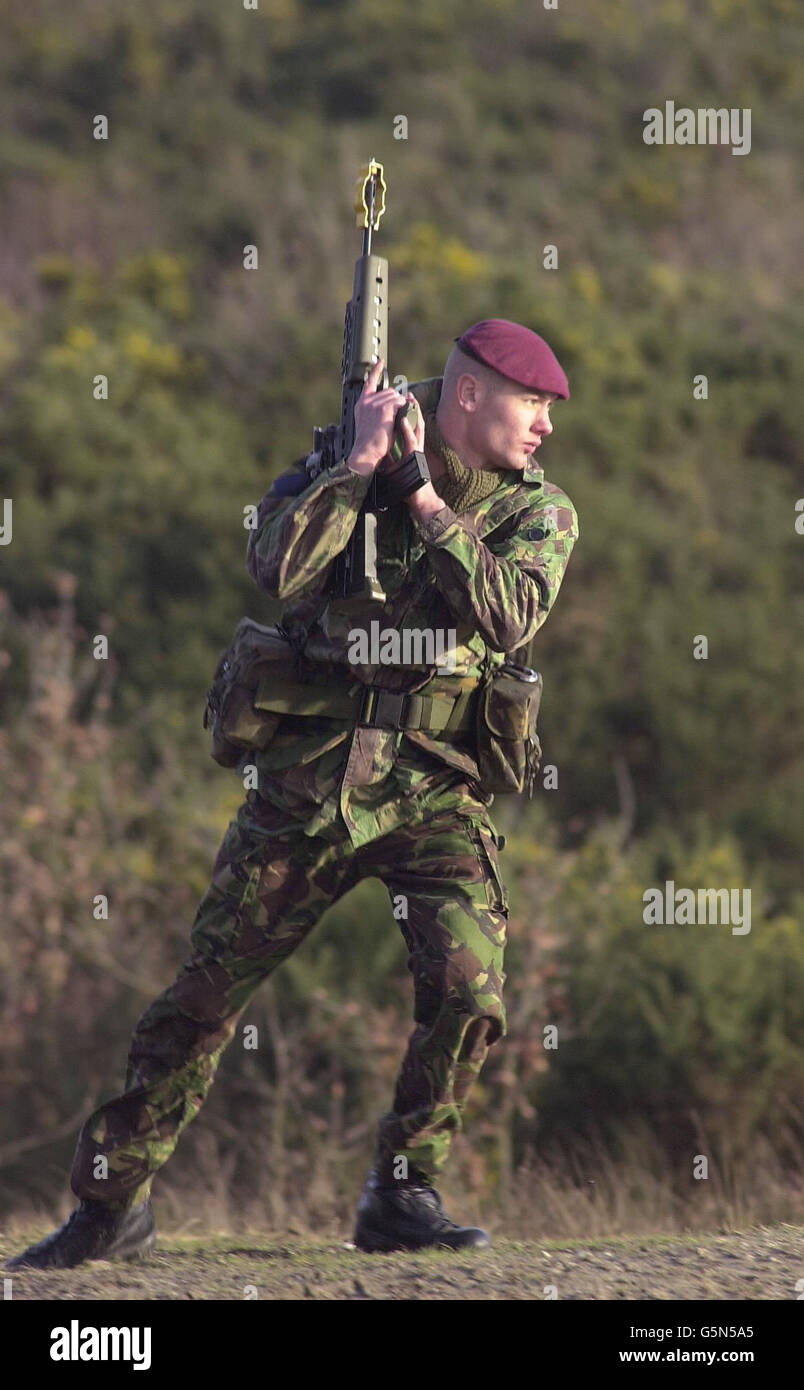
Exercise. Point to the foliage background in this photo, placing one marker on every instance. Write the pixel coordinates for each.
(230, 127)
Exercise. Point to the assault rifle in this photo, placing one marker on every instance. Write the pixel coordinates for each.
(365, 339)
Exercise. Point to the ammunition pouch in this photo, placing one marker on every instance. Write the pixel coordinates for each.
(256, 685)
(508, 748)
(236, 724)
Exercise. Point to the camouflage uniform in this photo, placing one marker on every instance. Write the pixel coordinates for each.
(337, 803)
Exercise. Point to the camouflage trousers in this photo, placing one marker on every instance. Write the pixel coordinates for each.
(270, 885)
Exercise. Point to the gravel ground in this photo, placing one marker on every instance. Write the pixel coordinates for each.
(763, 1263)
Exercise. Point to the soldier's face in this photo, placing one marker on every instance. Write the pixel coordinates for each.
(509, 424)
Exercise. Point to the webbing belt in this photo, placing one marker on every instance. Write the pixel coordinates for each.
(439, 713)
(443, 714)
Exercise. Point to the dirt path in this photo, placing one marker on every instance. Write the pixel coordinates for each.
(756, 1264)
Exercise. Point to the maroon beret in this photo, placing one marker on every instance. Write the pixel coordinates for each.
(516, 352)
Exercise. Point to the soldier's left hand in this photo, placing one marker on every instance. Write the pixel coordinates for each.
(412, 437)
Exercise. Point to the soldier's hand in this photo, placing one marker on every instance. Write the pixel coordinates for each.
(412, 435)
(375, 412)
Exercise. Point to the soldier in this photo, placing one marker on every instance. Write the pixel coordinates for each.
(395, 793)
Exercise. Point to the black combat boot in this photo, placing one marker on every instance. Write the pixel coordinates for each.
(93, 1232)
(407, 1216)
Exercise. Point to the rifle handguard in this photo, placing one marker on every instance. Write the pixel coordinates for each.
(411, 474)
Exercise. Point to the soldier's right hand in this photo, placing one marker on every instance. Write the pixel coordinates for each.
(375, 412)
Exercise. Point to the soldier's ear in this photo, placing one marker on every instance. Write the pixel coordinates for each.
(467, 391)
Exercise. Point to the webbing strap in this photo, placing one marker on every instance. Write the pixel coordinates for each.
(362, 704)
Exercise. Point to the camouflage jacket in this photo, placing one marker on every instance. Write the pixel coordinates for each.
(489, 576)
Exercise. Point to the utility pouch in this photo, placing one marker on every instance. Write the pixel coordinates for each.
(236, 724)
(508, 748)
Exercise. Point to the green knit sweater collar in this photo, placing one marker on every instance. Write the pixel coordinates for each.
(459, 487)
